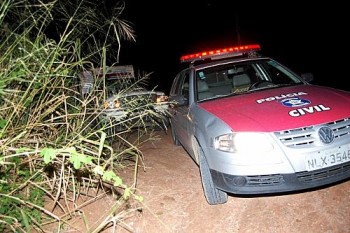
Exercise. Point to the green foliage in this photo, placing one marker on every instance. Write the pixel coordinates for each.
(49, 154)
(12, 196)
(2, 123)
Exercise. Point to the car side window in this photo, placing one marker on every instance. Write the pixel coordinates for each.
(185, 86)
(176, 87)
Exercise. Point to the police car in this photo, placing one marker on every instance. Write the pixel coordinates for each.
(254, 126)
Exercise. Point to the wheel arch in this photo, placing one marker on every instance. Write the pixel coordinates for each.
(199, 142)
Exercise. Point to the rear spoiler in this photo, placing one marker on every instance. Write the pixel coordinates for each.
(126, 71)
(114, 72)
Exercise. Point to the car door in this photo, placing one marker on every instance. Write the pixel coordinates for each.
(180, 96)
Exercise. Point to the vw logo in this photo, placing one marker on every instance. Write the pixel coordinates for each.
(326, 134)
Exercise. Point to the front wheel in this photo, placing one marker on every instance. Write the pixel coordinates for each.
(213, 195)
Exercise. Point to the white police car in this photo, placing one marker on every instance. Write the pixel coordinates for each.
(255, 127)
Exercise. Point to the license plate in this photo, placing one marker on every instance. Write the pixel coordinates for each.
(327, 158)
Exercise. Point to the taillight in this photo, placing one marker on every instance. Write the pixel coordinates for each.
(106, 104)
(112, 104)
(117, 104)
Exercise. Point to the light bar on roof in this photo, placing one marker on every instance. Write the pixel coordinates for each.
(220, 52)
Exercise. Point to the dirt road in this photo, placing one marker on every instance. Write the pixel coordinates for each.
(174, 202)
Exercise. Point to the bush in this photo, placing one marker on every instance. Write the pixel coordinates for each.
(51, 147)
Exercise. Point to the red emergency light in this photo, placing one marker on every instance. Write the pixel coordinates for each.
(220, 52)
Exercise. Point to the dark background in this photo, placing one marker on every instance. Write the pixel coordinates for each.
(304, 36)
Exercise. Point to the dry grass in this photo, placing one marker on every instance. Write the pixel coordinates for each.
(53, 151)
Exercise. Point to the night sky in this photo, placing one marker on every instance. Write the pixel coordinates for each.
(306, 38)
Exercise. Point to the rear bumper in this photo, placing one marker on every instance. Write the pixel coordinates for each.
(159, 111)
(279, 183)
(121, 120)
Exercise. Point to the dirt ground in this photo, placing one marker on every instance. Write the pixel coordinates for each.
(174, 202)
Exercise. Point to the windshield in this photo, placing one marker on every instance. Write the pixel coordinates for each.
(242, 77)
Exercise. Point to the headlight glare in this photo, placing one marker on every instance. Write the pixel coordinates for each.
(224, 143)
(243, 142)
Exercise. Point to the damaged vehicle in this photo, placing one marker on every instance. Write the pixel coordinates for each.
(127, 104)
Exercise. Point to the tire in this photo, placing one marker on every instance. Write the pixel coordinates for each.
(174, 137)
(213, 195)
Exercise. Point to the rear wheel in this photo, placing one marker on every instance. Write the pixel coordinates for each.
(213, 195)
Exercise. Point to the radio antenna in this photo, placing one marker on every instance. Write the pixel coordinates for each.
(237, 28)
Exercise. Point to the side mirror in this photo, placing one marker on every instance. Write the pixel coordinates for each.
(183, 101)
(179, 101)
